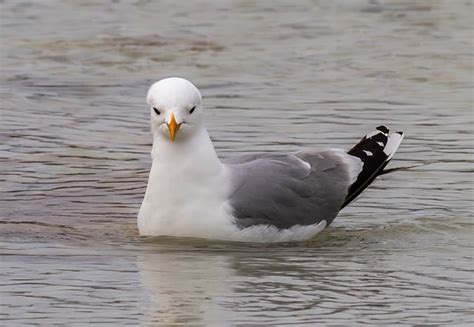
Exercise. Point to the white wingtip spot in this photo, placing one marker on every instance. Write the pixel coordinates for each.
(368, 153)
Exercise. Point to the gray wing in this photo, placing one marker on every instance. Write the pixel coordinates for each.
(286, 190)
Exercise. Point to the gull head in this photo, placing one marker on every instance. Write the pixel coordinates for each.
(176, 109)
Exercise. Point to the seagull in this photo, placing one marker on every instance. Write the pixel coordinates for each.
(256, 197)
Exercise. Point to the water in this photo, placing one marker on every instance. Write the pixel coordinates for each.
(276, 76)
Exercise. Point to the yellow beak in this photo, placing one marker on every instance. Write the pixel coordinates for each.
(173, 126)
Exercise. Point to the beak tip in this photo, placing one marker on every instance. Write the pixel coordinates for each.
(173, 127)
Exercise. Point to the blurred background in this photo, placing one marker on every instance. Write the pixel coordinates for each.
(275, 76)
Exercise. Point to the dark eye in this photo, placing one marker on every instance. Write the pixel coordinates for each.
(192, 110)
(156, 111)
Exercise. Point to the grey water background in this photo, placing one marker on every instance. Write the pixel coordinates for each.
(275, 76)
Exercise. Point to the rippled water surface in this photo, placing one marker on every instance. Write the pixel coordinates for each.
(276, 76)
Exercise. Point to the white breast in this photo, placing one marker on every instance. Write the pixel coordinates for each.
(178, 204)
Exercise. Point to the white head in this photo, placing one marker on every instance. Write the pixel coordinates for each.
(176, 109)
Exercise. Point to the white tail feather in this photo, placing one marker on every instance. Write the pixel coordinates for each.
(392, 145)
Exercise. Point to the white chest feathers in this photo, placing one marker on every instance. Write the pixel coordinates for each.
(179, 202)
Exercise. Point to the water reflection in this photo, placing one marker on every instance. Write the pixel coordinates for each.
(184, 287)
(332, 278)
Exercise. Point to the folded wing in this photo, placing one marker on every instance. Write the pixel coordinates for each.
(286, 190)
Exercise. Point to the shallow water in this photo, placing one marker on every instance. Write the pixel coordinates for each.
(75, 145)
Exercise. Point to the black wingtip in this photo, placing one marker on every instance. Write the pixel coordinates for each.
(372, 150)
(383, 129)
